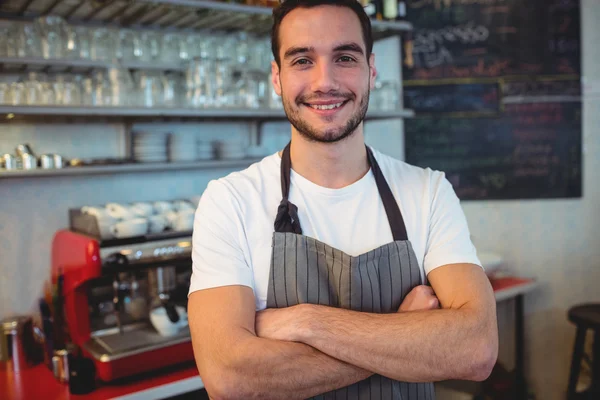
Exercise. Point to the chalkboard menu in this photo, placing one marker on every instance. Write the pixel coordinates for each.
(474, 97)
(489, 38)
(495, 85)
(533, 151)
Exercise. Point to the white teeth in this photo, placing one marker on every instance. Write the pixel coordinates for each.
(326, 107)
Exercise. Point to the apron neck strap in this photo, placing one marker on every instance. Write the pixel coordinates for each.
(287, 213)
(389, 203)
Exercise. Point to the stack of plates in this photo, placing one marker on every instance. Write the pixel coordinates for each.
(150, 147)
(182, 148)
(205, 151)
(232, 150)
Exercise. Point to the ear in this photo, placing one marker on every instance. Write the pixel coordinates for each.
(372, 70)
(275, 78)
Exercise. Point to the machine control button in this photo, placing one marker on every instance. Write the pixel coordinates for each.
(117, 259)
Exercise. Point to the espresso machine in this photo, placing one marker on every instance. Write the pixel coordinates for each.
(111, 291)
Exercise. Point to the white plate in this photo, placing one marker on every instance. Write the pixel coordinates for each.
(150, 154)
(150, 146)
(149, 149)
(151, 159)
(233, 156)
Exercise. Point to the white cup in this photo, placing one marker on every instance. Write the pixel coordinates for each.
(142, 209)
(105, 224)
(98, 212)
(161, 207)
(120, 211)
(184, 221)
(157, 223)
(171, 217)
(182, 205)
(129, 228)
(161, 322)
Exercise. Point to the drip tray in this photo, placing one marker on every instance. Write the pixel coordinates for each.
(116, 345)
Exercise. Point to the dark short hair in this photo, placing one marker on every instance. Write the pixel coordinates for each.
(288, 5)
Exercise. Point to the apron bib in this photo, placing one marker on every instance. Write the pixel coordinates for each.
(305, 270)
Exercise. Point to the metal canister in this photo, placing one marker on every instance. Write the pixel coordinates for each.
(24, 149)
(9, 162)
(58, 161)
(47, 161)
(60, 365)
(28, 161)
(18, 348)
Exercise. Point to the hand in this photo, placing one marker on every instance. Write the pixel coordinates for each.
(420, 298)
(278, 323)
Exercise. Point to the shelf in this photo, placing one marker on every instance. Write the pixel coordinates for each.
(88, 64)
(165, 15)
(90, 111)
(127, 168)
(224, 113)
(371, 115)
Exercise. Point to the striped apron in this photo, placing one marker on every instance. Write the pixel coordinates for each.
(305, 270)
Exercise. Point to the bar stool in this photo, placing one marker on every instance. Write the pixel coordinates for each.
(585, 316)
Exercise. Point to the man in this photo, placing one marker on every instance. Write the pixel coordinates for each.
(305, 283)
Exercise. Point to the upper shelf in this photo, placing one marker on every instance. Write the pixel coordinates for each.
(83, 64)
(165, 14)
(11, 112)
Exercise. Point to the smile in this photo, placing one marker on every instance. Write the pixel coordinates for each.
(326, 109)
(327, 106)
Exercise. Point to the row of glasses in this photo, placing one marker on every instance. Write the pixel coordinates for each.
(206, 84)
(385, 96)
(51, 37)
(209, 84)
(36, 89)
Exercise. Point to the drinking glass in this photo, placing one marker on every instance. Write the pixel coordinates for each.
(53, 30)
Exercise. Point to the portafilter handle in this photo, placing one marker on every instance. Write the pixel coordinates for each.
(169, 308)
(117, 302)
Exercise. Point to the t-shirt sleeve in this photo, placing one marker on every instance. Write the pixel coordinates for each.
(217, 255)
(449, 240)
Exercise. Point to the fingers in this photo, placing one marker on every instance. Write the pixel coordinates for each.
(434, 303)
(425, 289)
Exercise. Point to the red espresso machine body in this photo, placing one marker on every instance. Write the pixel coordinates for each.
(119, 272)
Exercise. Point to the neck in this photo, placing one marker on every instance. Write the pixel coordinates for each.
(331, 165)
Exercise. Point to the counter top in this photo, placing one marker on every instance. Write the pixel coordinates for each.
(509, 287)
(39, 383)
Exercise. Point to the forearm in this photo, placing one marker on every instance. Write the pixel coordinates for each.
(418, 346)
(273, 369)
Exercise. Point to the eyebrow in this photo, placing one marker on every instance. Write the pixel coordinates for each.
(351, 46)
(292, 51)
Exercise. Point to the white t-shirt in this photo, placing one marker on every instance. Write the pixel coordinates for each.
(234, 222)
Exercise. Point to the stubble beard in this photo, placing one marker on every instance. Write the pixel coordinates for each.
(329, 136)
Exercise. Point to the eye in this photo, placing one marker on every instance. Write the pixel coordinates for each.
(301, 61)
(346, 59)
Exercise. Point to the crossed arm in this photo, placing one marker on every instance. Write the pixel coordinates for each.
(301, 351)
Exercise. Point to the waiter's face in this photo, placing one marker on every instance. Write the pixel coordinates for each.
(325, 77)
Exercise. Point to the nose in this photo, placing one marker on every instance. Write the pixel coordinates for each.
(324, 78)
